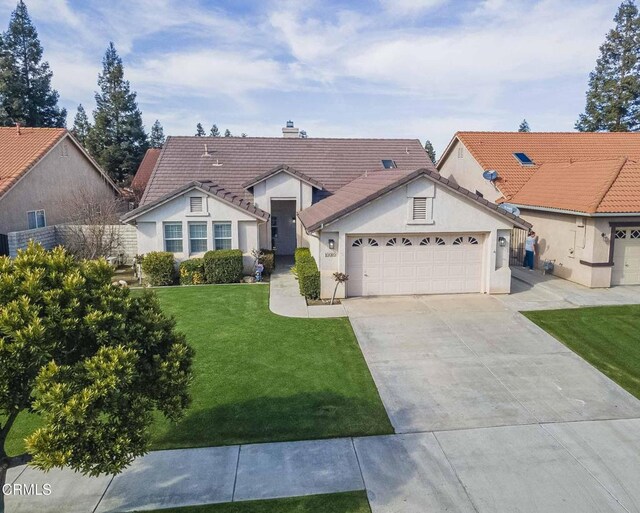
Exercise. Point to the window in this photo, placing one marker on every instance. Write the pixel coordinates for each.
(635, 234)
(425, 242)
(221, 235)
(372, 242)
(357, 243)
(196, 204)
(457, 241)
(473, 240)
(419, 209)
(388, 164)
(406, 242)
(173, 237)
(198, 237)
(391, 242)
(36, 219)
(479, 194)
(440, 241)
(621, 234)
(523, 159)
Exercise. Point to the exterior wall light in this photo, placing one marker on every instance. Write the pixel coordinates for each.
(332, 244)
(502, 242)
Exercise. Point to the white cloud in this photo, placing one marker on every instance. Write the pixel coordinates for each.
(410, 7)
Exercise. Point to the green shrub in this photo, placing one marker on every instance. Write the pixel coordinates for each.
(223, 266)
(308, 274)
(159, 268)
(268, 259)
(192, 272)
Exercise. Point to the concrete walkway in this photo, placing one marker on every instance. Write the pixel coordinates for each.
(285, 298)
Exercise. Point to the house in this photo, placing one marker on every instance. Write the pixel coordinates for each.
(43, 171)
(580, 191)
(373, 208)
(141, 178)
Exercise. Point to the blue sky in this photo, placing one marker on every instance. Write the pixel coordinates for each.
(386, 68)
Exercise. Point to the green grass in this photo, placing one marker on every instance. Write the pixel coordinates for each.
(260, 377)
(608, 337)
(349, 502)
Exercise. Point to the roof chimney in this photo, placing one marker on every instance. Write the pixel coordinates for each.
(290, 132)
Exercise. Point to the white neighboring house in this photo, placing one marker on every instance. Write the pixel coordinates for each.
(373, 208)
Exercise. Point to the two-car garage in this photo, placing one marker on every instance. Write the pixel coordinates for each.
(414, 264)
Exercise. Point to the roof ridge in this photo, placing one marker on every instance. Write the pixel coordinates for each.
(528, 134)
(412, 139)
(611, 181)
(147, 187)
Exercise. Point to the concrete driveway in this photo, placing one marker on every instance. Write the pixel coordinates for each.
(494, 415)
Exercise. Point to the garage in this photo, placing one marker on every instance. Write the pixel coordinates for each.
(626, 256)
(397, 264)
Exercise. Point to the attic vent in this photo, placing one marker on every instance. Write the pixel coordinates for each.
(523, 159)
(195, 203)
(388, 164)
(419, 209)
(206, 151)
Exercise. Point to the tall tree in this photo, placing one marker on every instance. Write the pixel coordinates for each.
(227, 133)
(430, 151)
(214, 131)
(118, 140)
(613, 97)
(81, 125)
(524, 126)
(156, 139)
(25, 79)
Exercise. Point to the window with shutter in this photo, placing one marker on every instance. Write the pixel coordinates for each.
(196, 203)
(419, 209)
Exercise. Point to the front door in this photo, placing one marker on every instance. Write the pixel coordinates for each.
(283, 226)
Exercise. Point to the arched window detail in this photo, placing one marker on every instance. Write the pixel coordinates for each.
(473, 240)
(356, 243)
(440, 241)
(425, 242)
(391, 242)
(372, 242)
(458, 241)
(406, 242)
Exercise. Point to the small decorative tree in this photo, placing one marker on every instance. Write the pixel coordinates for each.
(339, 278)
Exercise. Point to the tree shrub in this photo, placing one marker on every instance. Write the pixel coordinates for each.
(223, 266)
(308, 274)
(192, 272)
(268, 259)
(159, 268)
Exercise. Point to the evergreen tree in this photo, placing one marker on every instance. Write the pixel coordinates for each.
(156, 139)
(118, 140)
(227, 133)
(613, 97)
(25, 80)
(524, 126)
(199, 130)
(303, 134)
(214, 131)
(81, 125)
(243, 134)
(430, 151)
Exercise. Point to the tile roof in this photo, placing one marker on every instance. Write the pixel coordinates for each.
(208, 187)
(234, 161)
(139, 182)
(20, 152)
(494, 150)
(374, 184)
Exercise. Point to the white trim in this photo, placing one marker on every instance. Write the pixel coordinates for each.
(35, 213)
(282, 170)
(576, 212)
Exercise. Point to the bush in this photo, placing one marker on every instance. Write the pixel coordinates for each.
(159, 268)
(192, 272)
(268, 259)
(308, 274)
(223, 266)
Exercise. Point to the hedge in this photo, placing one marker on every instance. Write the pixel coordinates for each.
(192, 272)
(159, 268)
(223, 266)
(308, 273)
(268, 259)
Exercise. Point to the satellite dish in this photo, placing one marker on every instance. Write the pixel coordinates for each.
(508, 207)
(490, 175)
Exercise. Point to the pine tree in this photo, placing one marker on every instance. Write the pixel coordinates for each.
(118, 140)
(199, 130)
(81, 125)
(214, 131)
(227, 133)
(156, 139)
(430, 151)
(613, 97)
(524, 126)
(243, 134)
(25, 80)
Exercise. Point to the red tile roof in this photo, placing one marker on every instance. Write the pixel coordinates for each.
(19, 152)
(141, 178)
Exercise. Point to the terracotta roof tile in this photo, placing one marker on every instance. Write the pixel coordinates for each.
(494, 150)
(139, 182)
(20, 152)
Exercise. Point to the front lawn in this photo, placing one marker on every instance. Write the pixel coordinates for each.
(608, 337)
(349, 502)
(260, 377)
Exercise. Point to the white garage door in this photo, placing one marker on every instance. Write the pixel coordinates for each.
(380, 265)
(626, 257)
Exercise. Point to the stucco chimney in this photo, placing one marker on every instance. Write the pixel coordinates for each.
(290, 132)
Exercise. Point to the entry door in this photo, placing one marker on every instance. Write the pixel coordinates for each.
(426, 264)
(626, 257)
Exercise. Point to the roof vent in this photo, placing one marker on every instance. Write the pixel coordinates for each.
(206, 151)
(217, 163)
(289, 124)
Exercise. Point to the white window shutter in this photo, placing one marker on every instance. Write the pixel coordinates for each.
(419, 209)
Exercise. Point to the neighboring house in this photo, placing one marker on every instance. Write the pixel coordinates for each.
(141, 178)
(581, 192)
(373, 208)
(43, 173)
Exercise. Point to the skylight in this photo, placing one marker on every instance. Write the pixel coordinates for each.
(524, 159)
(388, 163)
